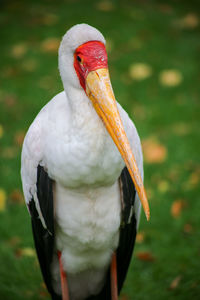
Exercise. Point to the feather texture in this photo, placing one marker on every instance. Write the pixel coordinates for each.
(70, 176)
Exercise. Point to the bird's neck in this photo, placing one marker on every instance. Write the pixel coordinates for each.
(82, 111)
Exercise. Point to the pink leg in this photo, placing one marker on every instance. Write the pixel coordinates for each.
(113, 275)
(63, 277)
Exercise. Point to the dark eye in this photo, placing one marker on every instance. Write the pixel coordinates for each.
(78, 58)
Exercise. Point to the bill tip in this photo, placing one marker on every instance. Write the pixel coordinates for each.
(147, 215)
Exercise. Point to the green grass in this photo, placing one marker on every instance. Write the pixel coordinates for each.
(161, 34)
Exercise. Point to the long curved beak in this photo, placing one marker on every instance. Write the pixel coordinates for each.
(99, 90)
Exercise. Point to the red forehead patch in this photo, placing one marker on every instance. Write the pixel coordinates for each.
(89, 57)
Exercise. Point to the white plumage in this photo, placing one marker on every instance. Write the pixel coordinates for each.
(70, 141)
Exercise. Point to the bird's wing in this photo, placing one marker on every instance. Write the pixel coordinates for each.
(38, 191)
(128, 228)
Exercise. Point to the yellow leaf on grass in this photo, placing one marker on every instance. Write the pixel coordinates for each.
(140, 71)
(50, 45)
(139, 112)
(17, 197)
(10, 100)
(174, 284)
(194, 178)
(27, 251)
(177, 207)
(170, 78)
(105, 6)
(50, 19)
(19, 50)
(140, 237)
(1, 131)
(153, 151)
(2, 199)
(9, 152)
(189, 21)
(29, 65)
(181, 128)
(19, 137)
(163, 186)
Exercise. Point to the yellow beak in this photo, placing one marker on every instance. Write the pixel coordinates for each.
(99, 90)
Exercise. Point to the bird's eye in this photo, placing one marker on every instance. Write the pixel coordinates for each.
(78, 58)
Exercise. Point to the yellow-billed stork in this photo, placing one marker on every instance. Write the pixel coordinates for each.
(82, 171)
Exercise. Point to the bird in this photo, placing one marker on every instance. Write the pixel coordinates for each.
(82, 177)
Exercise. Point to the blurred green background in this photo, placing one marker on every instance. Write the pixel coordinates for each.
(154, 60)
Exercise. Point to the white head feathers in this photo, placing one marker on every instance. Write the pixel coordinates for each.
(74, 37)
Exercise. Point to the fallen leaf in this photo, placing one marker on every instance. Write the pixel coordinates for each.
(19, 137)
(194, 178)
(145, 256)
(105, 6)
(10, 72)
(140, 71)
(17, 197)
(188, 228)
(27, 251)
(189, 21)
(50, 45)
(29, 65)
(1, 131)
(140, 237)
(170, 78)
(139, 112)
(174, 173)
(2, 200)
(163, 186)
(9, 152)
(10, 100)
(43, 290)
(175, 283)
(153, 151)
(19, 50)
(50, 19)
(193, 181)
(44, 294)
(177, 207)
(181, 129)
(165, 8)
(14, 241)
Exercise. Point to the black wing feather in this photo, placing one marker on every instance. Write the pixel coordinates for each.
(44, 238)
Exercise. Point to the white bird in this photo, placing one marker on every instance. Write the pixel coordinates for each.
(82, 171)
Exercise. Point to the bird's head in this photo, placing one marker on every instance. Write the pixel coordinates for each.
(83, 65)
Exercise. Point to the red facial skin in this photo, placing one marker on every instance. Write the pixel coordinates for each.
(93, 56)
